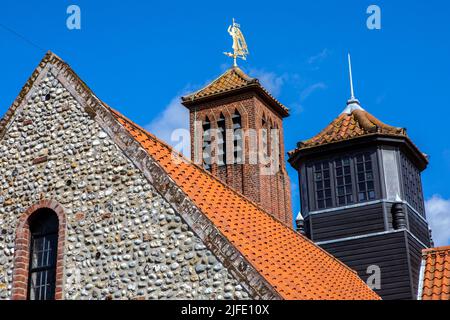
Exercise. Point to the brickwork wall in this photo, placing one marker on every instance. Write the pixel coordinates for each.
(272, 192)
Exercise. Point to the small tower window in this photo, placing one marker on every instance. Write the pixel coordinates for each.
(265, 144)
(237, 138)
(412, 184)
(221, 141)
(322, 184)
(344, 188)
(364, 174)
(43, 253)
(206, 148)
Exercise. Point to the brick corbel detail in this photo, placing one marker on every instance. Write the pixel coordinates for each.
(22, 250)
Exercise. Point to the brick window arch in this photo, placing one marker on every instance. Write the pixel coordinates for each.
(21, 272)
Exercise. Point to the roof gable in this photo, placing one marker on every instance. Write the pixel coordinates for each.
(271, 259)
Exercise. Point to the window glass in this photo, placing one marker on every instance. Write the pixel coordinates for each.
(365, 178)
(323, 185)
(43, 254)
(344, 188)
(412, 184)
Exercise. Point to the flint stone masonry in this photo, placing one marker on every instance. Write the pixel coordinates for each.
(123, 240)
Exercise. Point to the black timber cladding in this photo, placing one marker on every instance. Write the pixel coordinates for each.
(387, 251)
(348, 222)
(418, 227)
(415, 260)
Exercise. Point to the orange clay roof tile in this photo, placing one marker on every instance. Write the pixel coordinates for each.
(292, 264)
(436, 276)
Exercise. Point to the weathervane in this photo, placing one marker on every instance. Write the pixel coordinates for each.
(240, 49)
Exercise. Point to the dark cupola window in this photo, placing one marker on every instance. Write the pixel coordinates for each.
(344, 185)
(44, 228)
(412, 184)
(364, 174)
(344, 181)
(322, 182)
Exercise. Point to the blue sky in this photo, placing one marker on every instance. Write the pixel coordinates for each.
(139, 56)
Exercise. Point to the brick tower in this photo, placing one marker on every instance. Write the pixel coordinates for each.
(237, 134)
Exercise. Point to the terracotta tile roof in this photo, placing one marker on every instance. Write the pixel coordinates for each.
(233, 79)
(293, 265)
(436, 274)
(350, 125)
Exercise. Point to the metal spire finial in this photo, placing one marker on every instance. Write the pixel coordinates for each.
(352, 103)
(352, 97)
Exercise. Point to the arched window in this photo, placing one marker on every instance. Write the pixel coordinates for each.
(264, 137)
(44, 228)
(279, 147)
(221, 141)
(206, 148)
(237, 138)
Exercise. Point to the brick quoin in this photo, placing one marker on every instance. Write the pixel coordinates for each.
(22, 250)
(271, 192)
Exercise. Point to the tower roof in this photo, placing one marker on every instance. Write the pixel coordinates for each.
(353, 122)
(233, 81)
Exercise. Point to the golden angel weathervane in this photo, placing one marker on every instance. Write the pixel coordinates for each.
(240, 49)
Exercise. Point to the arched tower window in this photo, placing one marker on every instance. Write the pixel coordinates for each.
(44, 228)
(221, 141)
(237, 138)
(264, 136)
(206, 148)
(279, 147)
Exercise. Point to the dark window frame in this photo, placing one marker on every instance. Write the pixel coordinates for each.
(412, 184)
(365, 178)
(323, 185)
(343, 175)
(335, 184)
(43, 253)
